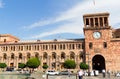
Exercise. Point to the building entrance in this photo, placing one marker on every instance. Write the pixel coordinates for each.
(98, 63)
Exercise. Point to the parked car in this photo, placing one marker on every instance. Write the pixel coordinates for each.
(64, 73)
(52, 72)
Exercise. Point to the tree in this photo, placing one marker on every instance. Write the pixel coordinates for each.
(21, 65)
(69, 64)
(3, 65)
(45, 66)
(83, 66)
(33, 63)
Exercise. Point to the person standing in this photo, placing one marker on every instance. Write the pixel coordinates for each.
(103, 71)
(69, 73)
(108, 72)
(80, 74)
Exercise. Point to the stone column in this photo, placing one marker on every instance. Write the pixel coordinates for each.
(93, 22)
(77, 61)
(8, 61)
(98, 22)
(41, 60)
(84, 22)
(16, 62)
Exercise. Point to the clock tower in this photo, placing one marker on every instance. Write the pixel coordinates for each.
(97, 34)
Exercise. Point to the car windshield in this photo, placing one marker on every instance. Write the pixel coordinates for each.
(50, 71)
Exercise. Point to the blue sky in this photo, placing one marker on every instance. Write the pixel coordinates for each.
(52, 19)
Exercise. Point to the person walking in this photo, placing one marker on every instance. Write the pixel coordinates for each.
(103, 71)
(80, 74)
(108, 73)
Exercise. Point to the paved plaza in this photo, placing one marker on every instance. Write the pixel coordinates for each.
(43, 76)
(85, 77)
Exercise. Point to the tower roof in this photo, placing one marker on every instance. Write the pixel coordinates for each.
(96, 14)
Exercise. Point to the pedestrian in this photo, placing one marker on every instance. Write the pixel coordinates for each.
(69, 72)
(80, 74)
(108, 73)
(103, 71)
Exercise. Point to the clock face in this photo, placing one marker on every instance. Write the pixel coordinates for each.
(96, 35)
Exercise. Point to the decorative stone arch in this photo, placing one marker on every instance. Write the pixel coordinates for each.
(36, 54)
(20, 56)
(54, 55)
(12, 56)
(45, 55)
(81, 55)
(63, 55)
(28, 55)
(72, 55)
(98, 62)
(4, 56)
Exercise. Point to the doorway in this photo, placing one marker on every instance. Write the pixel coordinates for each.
(98, 63)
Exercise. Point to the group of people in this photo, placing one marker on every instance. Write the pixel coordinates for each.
(104, 73)
(81, 73)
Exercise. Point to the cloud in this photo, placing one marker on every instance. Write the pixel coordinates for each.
(65, 28)
(73, 17)
(1, 4)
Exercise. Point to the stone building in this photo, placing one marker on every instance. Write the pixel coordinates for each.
(100, 48)
(50, 52)
(102, 43)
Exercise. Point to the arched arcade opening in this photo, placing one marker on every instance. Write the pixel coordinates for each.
(98, 63)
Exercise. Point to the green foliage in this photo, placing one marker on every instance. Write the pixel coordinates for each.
(3, 65)
(33, 63)
(45, 66)
(69, 64)
(83, 66)
(21, 65)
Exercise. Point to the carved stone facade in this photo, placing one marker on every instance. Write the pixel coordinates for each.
(52, 53)
(102, 43)
(101, 47)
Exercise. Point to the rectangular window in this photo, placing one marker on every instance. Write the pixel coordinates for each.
(90, 45)
(105, 44)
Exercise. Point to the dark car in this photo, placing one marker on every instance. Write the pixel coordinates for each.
(64, 73)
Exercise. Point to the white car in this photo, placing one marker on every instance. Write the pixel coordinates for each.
(52, 72)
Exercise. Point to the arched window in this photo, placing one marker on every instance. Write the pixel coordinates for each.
(62, 55)
(4, 56)
(53, 55)
(12, 56)
(20, 55)
(36, 54)
(81, 55)
(72, 55)
(45, 55)
(28, 55)
(5, 40)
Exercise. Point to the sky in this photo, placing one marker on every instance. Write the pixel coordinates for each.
(52, 19)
